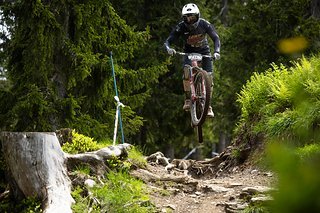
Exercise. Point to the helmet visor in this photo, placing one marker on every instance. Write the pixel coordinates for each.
(190, 18)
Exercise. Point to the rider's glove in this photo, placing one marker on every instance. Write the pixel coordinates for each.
(216, 56)
(171, 51)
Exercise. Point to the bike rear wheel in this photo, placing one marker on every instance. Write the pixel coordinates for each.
(201, 102)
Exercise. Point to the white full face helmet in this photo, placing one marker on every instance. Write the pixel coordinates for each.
(191, 15)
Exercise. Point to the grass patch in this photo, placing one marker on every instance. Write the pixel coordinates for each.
(123, 193)
(136, 157)
(120, 193)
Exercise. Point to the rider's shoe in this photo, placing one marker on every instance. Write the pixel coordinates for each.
(186, 106)
(210, 112)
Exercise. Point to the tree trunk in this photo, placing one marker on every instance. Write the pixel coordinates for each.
(315, 9)
(169, 151)
(37, 166)
(223, 142)
(224, 12)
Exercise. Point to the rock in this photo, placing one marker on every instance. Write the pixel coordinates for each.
(170, 206)
(198, 193)
(216, 188)
(257, 189)
(162, 161)
(254, 172)
(153, 157)
(89, 183)
(158, 158)
(268, 174)
(234, 207)
(183, 165)
(164, 210)
(232, 185)
(261, 199)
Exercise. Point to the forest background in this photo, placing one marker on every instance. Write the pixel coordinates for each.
(56, 70)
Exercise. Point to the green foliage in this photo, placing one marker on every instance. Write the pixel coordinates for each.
(82, 202)
(249, 33)
(33, 205)
(83, 169)
(4, 84)
(60, 68)
(59, 54)
(34, 109)
(105, 143)
(236, 153)
(308, 152)
(136, 157)
(298, 179)
(284, 103)
(120, 193)
(130, 198)
(256, 209)
(117, 164)
(79, 144)
(27, 205)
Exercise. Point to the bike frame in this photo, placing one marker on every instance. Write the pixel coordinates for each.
(200, 91)
(195, 58)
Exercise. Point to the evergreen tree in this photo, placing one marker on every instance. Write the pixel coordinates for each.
(59, 65)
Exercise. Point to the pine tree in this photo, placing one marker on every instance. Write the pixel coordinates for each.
(59, 65)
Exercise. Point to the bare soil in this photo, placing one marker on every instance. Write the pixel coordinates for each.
(185, 190)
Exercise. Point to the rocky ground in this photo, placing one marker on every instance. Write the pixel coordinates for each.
(206, 186)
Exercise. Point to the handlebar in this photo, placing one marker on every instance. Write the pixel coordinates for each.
(196, 56)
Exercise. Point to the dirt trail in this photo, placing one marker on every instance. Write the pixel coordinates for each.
(185, 190)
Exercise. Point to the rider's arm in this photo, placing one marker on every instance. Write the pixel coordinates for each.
(168, 41)
(214, 36)
(174, 34)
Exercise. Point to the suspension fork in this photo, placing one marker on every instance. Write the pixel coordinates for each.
(192, 89)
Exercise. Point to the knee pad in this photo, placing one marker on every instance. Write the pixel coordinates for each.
(186, 86)
(186, 72)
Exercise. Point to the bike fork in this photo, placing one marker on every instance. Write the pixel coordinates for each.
(192, 89)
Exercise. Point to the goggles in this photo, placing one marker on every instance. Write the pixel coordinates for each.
(190, 18)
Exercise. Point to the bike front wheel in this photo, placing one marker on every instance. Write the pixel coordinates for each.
(201, 101)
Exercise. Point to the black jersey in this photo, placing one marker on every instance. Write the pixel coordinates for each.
(195, 40)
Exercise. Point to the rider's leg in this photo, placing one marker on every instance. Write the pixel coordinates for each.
(207, 65)
(186, 87)
(210, 112)
(186, 83)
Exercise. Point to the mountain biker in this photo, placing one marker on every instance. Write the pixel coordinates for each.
(193, 31)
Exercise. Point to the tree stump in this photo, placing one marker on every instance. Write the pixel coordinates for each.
(37, 166)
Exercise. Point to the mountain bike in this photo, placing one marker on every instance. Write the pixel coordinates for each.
(200, 91)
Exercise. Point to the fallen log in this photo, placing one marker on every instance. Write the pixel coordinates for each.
(97, 159)
(37, 166)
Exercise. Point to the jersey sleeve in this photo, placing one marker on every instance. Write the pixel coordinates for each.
(211, 31)
(174, 34)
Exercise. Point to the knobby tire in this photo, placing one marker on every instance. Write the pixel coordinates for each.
(199, 133)
(200, 106)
